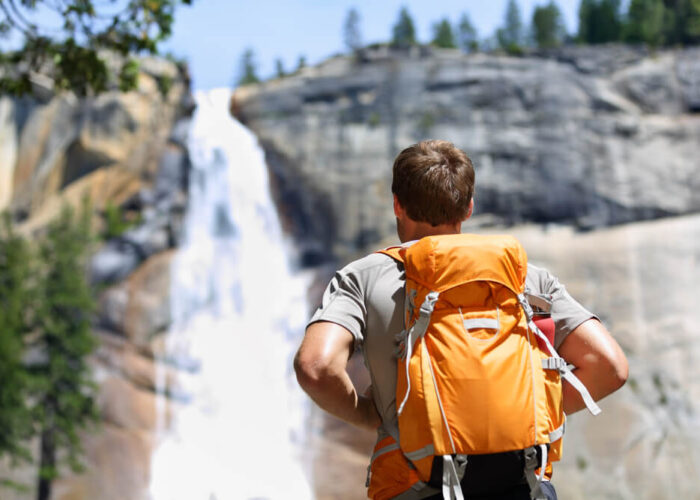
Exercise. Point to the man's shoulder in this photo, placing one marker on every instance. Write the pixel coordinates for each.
(370, 263)
(538, 279)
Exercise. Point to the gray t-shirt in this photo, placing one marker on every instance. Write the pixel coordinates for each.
(367, 298)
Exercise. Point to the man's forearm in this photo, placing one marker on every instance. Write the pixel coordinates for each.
(336, 394)
(320, 366)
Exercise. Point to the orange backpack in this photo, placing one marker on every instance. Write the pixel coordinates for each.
(473, 378)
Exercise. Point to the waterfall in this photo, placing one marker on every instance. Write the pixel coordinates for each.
(238, 311)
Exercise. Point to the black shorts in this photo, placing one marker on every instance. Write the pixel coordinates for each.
(520, 492)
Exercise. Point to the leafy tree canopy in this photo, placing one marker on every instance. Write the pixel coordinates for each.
(72, 51)
(443, 36)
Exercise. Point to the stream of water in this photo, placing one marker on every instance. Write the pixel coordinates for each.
(238, 313)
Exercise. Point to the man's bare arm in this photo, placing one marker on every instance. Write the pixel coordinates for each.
(600, 363)
(320, 365)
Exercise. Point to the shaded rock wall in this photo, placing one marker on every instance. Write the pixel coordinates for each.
(586, 136)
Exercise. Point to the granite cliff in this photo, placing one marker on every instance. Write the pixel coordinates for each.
(580, 135)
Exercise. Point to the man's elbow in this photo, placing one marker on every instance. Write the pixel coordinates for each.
(619, 371)
(310, 371)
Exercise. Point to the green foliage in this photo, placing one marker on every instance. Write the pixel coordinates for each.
(548, 25)
(511, 36)
(62, 384)
(45, 339)
(116, 223)
(352, 36)
(467, 34)
(600, 21)
(443, 36)
(72, 55)
(279, 68)
(249, 69)
(164, 83)
(301, 63)
(16, 299)
(128, 75)
(374, 119)
(404, 31)
(645, 22)
(682, 22)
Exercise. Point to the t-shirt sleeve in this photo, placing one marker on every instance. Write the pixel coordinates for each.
(566, 312)
(343, 304)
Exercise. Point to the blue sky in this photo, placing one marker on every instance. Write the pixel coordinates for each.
(212, 34)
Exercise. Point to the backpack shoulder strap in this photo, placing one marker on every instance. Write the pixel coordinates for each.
(393, 252)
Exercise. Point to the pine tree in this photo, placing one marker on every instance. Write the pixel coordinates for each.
(62, 385)
(645, 22)
(443, 36)
(548, 25)
(279, 68)
(600, 21)
(512, 35)
(404, 31)
(248, 70)
(15, 323)
(585, 12)
(466, 32)
(682, 22)
(301, 62)
(351, 31)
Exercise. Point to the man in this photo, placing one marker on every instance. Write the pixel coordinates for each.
(362, 307)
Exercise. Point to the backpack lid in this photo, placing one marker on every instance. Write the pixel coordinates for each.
(445, 261)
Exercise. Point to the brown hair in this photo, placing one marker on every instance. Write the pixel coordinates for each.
(434, 182)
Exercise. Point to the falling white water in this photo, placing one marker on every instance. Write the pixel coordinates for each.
(237, 314)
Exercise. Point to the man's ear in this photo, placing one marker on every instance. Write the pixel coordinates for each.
(471, 209)
(398, 209)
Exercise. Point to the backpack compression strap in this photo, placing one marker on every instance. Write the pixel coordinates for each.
(556, 362)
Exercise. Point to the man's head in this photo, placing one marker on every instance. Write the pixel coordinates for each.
(433, 185)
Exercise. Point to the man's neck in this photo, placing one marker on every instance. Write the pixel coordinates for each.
(420, 230)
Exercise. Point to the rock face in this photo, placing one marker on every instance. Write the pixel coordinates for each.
(129, 151)
(585, 136)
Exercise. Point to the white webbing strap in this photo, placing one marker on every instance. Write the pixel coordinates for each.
(554, 363)
(569, 376)
(451, 489)
(543, 466)
(564, 370)
(558, 433)
(531, 464)
(417, 331)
